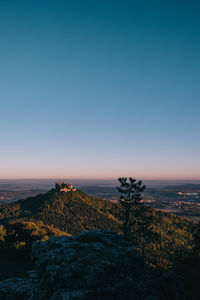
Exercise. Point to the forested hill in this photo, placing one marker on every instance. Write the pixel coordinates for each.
(72, 212)
(161, 237)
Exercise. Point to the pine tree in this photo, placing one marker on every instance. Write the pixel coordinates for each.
(131, 196)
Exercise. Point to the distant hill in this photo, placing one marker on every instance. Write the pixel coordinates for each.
(189, 187)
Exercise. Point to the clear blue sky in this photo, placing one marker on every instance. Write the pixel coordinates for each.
(100, 89)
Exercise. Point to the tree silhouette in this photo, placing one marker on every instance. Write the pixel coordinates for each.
(130, 197)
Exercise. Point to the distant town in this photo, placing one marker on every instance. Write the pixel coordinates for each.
(183, 201)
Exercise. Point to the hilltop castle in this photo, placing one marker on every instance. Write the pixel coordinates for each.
(64, 187)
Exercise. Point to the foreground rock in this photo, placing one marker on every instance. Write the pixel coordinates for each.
(90, 265)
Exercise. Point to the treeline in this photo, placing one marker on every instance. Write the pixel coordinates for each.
(19, 235)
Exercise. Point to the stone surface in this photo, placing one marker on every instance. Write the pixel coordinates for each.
(90, 265)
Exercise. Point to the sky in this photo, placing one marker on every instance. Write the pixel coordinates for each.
(100, 89)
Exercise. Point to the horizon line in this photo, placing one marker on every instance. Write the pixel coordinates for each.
(101, 178)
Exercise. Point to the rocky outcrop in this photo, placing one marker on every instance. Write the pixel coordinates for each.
(90, 265)
(18, 288)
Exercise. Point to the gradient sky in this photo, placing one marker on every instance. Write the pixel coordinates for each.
(100, 89)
